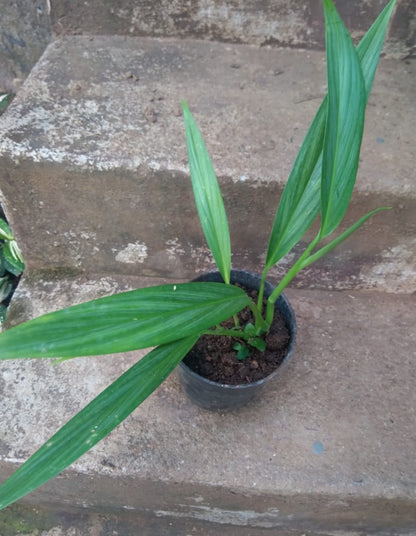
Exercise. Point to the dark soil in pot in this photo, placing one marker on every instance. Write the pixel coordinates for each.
(211, 374)
(215, 359)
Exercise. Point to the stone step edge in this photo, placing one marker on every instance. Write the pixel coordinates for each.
(219, 506)
(236, 504)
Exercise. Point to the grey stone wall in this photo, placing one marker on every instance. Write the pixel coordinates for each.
(25, 30)
(94, 172)
(297, 23)
(25, 25)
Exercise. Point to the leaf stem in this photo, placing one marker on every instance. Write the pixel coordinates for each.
(296, 268)
(261, 290)
(260, 322)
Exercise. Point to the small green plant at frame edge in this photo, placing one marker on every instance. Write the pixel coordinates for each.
(171, 318)
(5, 99)
(11, 265)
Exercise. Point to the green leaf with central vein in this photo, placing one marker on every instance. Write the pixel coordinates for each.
(96, 420)
(345, 121)
(208, 198)
(300, 202)
(126, 321)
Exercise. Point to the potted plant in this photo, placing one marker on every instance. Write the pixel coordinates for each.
(173, 317)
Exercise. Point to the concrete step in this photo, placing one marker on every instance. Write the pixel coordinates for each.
(278, 23)
(35, 521)
(329, 447)
(26, 27)
(93, 165)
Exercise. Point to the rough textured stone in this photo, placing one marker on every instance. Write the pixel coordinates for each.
(25, 30)
(329, 446)
(285, 23)
(25, 26)
(69, 521)
(94, 167)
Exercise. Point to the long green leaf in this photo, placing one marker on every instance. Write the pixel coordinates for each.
(300, 202)
(334, 243)
(345, 121)
(370, 46)
(126, 321)
(208, 198)
(96, 420)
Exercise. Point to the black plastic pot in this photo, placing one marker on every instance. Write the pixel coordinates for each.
(223, 397)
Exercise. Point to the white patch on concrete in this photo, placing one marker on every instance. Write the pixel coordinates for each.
(247, 518)
(15, 460)
(62, 131)
(133, 253)
(77, 241)
(174, 249)
(396, 272)
(58, 531)
(155, 166)
(197, 499)
(240, 23)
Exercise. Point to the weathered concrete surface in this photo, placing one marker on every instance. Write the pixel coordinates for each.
(282, 22)
(330, 446)
(36, 521)
(93, 165)
(25, 31)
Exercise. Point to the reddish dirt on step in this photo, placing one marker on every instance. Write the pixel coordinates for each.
(214, 358)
